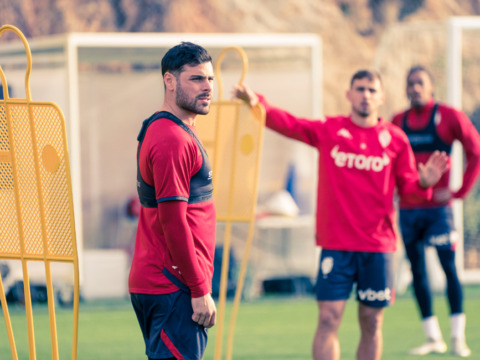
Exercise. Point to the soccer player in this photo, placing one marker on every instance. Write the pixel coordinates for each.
(171, 275)
(432, 126)
(362, 158)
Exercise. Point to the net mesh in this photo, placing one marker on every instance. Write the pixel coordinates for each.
(234, 175)
(35, 159)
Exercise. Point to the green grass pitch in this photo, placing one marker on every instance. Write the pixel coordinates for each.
(267, 328)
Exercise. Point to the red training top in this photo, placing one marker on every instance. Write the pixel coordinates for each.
(177, 235)
(450, 125)
(358, 170)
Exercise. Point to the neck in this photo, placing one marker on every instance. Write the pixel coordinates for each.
(420, 106)
(364, 121)
(185, 116)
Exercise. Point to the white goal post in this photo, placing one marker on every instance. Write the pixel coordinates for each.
(454, 89)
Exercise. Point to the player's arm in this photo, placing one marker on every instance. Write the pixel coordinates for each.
(172, 215)
(470, 140)
(279, 120)
(416, 184)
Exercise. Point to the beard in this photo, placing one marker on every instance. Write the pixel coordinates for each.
(184, 102)
(363, 112)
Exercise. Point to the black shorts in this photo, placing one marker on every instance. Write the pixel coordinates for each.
(432, 226)
(167, 326)
(372, 273)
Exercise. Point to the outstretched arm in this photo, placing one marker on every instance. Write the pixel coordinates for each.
(431, 172)
(243, 92)
(279, 120)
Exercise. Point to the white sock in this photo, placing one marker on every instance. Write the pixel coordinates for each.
(432, 328)
(457, 322)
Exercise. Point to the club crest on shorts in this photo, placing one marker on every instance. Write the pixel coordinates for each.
(327, 266)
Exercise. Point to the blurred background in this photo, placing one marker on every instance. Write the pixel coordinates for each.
(100, 61)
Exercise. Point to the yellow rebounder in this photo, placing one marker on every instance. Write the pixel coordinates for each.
(232, 134)
(36, 206)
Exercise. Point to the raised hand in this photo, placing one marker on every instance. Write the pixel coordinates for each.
(243, 92)
(433, 170)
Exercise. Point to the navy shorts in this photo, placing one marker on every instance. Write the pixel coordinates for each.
(433, 226)
(372, 273)
(167, 326)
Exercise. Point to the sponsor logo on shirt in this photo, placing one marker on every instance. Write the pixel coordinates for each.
(372, 295)
(327, 265)
(359, 161)
(418, 139)
(344, 133)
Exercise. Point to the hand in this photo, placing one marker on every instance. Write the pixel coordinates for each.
(243, 92)
(204, 311)
(433, 170)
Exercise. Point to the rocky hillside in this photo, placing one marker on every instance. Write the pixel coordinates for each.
(351, 29)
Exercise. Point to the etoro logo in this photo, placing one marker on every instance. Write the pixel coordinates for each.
(359, 161)
(372, 295)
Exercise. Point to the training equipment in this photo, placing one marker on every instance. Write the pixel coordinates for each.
(232, 134)
(36, 206)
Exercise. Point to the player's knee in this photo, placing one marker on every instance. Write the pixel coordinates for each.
(371, 322)
(329, 320)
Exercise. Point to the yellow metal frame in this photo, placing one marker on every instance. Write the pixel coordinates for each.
(36, 205)
(246, 142)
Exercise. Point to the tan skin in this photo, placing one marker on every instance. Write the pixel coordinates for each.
(194, 85)
(187, 95)
(366, 96)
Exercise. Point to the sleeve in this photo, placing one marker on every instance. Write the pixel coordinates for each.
(173, 163)
(173, 218)
(305, 130)
(468, 136)
(407, 177)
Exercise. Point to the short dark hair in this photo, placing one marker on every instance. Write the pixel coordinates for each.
(417, 68)
(369, 74)
(186, 53)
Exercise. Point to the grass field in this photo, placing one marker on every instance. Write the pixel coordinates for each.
(268, 328)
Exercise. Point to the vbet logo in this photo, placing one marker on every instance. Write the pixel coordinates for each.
(372, 295)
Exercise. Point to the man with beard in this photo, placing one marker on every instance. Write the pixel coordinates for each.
(362, 159)
(171, 275)
(431, 126)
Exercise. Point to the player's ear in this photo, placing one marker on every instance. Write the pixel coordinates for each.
(382, 97)
(170, 81)
(348, 95)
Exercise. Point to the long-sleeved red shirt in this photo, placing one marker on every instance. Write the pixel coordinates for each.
(450, 124)
(358, 171)
(178, 235)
